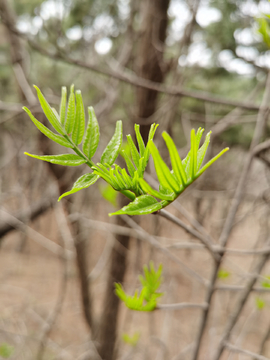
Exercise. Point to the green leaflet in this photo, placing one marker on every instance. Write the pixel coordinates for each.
(177, 165)
(65, 159)
(56, 138)
(70, 120)
(63, 105)
(206, 166)
(139, 140)
(134, 152)
(110, 153)
(91, 140)
(151, 134)
(193, 155)
(164, 175)
(147, 189)
(48, 111)
(83, 182)
(130, 166)
(79, 125)
(144, 204)
(202, 150)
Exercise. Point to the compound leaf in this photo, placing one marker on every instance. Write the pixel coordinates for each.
(110, 153)
(82, 183)
(56, 138)
(65, 159)
(139, 140)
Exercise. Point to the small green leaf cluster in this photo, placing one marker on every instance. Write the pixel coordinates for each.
(6, 350)
(266, 283)
(69, 123)
(264, 28)
(260, 303)
(146, 300)
(131, 340)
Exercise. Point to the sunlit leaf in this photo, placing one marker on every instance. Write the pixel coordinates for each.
(65, 159)
(134, 152)
(63, 105)
(82, 183)
(71, 112)
(48, 111)
(164, 175)
(91, 140)
(206, 166)
(56, 138)
(110, 153)
(177, 165)
(202, 150)
(130, 166)
(139, 140)
(79, 125)
(148, 189)
(144, 204)
(6, 350)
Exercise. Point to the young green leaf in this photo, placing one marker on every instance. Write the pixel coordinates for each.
(63, 105)
(193, 155)
(177, 165)
(110, 153)
(206, 166)
(151, 134)
(48, 111)
(202, 150)
(130, 166)
(69, 125)
(163, 173)
(139, 140)
(79, 125)
(134, 152)
(56, 138)
(82, 183)
(65, 159)
(144, 204)
(147, 189)
(91, 140)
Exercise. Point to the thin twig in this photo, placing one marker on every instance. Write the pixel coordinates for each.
(246, 352)
(191, 231)
(165, 251)
(181, 306)
(132, 79)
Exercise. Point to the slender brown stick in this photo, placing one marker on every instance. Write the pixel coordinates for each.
(246, 352)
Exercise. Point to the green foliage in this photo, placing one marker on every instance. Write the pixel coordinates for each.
(264, 29)
(260, 303)
(6, 350)
(131, 340)
(82, 183)
(146, 300)
(266, 283)
(70, 125)
(223, 274)
(109, 194)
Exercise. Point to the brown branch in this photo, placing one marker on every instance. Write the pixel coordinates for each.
(246, 352)
(39, 208)
(133, 79)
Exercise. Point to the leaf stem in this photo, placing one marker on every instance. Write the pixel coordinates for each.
(79, 152)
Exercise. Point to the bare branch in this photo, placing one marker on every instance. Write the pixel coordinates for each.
(246, 352)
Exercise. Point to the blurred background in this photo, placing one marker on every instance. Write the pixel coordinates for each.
(182, 64)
